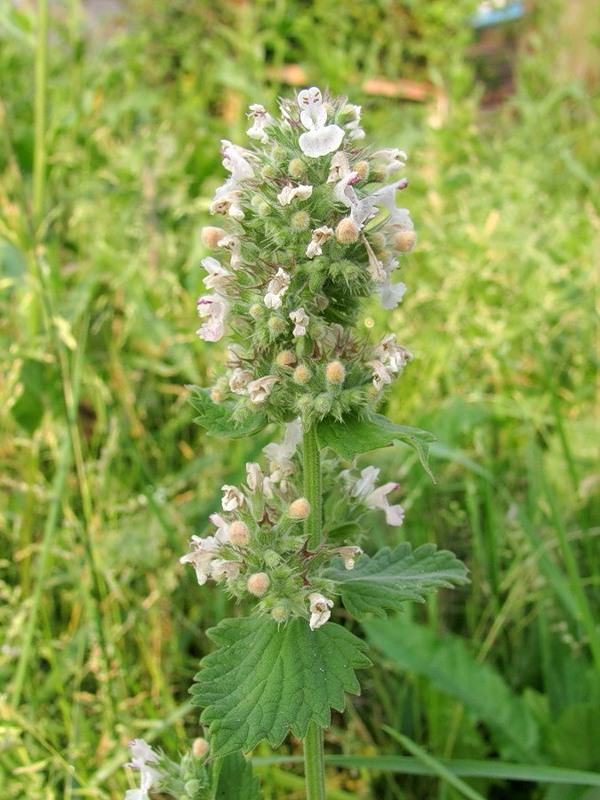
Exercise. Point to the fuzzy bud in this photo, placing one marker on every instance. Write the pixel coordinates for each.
(211, 236)
(335, 372)
(271, 558)
(285, 359)
(258, 583)
(379, 173)
(268, 172)
(362, 169)
(216, 395)
(322, 404)
(239, 535)
(301, 374)
(321, 302)
(200, 748)
(299, 509)
(277, 326)
(300, 221)
(404, 241)
(296, 168)
(279, 613)
(378, 240)
(255, 310)
(347, 231)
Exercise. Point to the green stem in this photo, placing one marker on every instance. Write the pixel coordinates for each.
(314, 767)
(312, 485)
(39, 152)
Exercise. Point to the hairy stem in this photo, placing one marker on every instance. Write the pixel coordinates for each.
(312, 485)
(314, 768)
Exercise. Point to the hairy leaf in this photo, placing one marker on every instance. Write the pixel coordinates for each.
(236, 781)
(382, 583)
(218, 420)
(266, 680)
(355, 435)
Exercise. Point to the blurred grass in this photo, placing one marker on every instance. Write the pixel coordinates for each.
(104, 477)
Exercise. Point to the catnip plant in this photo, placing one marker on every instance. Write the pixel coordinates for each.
(310, 230)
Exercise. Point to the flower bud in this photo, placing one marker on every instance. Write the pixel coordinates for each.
(404, 241)
(379, 173)
(299, 509)
(335, 372)
(268, 172)
(285, 359)
(255, 310)
(322, 404)
(347, 231)
(277, 326)
(271, 558)
(300, 221)
(216, 395)
(258, 583)
(301, 374)
(200, 747)
(363, 169)
(296, 168)
(279, 613)
(211, 236)
(239, 535)
(321, 302)
(377, 240)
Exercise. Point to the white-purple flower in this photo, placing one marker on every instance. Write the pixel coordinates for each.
(261, 120)
(376, 497)
(261, 388)
(142, 755)
(214, 308)
(235, 160)
(289, 193)
(278, 286)
(300, 320)
(319, 607)
(319, 139)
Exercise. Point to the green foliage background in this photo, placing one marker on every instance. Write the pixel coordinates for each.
(104, 477)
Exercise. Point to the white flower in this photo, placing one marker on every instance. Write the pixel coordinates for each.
(320, 139)
(276, 288)
(391, 293)
(215, 308)
(365, 490)
(240, 378)
(340, 167)
(261, 119)
(142, 755)
(235, 159)
(232, 498)
(300, 320)
(349, 555)
(319, 610)
(221, 535)
(233, 245)
(218, 277)
(393, 355)
(278, 453)
(289, 193)
(254, 477)
(393, 159)
(382, 374)
(204, 551)
(261, 388)
(221, 568)
(319, 237)
(343, 191)
(227, 200)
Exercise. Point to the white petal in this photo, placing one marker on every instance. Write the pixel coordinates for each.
(321, 141)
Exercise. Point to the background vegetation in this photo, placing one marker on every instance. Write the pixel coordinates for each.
(104, 476)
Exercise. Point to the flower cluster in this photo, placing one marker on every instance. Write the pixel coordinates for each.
(256, 546)
(310, 228)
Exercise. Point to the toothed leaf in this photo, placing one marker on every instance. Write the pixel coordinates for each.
(265, 681)
(392, 577)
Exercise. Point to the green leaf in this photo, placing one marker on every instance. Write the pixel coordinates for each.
(266, 680)
(382, 583)
(236, 781)
(218, 419)
(453, 669)
(355, 435)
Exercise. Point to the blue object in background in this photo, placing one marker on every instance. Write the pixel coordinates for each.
(487, 16)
